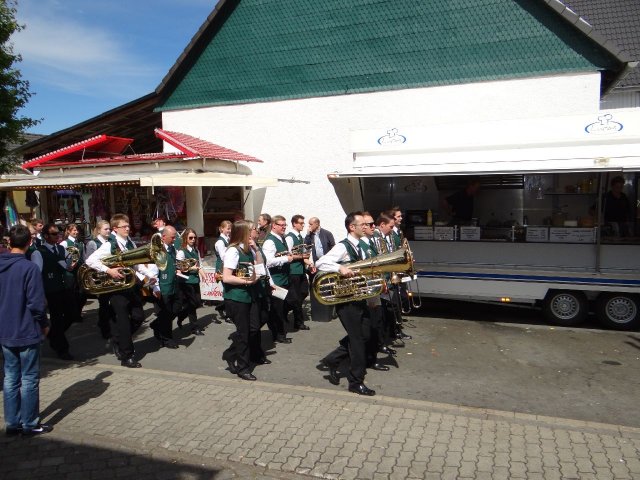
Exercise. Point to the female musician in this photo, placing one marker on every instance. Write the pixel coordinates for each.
(105, 313)
(221, 247)
(260, 307)
(239, 293)
(75, 298)
(189, 281)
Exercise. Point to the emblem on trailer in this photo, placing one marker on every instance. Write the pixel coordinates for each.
(392, 137)
(604, 126)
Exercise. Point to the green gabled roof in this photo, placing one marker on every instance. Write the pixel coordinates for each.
(263, 50)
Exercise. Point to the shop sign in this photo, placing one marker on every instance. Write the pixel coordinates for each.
(469, 233)
(537, 234)
(443, 233)
(572, 235)
(422, 233)
(604, 126)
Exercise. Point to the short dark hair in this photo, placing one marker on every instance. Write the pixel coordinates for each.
(266, 216)
(296, 219)
(48, 227)
(350, 219)
(19, 236)
(618, 179)
(384, 218)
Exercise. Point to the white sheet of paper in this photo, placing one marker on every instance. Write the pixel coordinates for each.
(260, 270)
(280, 292)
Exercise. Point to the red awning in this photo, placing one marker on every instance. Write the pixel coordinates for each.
(104, 149)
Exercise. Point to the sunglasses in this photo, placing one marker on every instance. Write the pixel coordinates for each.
(371, 224)
(191, 238)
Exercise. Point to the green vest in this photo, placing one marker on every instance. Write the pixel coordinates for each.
(220, 261)
(98, 242)
(239, 293)
(351, 251)
(167, 277)
(70, 276)
(368, 248)
(53, 275)
(395, 237)
(194, 278)
(297, 266)
(279, 274)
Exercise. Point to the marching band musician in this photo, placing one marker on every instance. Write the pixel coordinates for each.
(238, 297)
(126, 304)
(75, 298)
(279, 259)
(101, 234)
(354, 315)
(53, 270)
(189, 281)
(169, 301)
(259, 314)
(298, 282)
(220, 248)
(396, 233)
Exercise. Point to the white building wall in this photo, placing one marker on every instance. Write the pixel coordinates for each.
(307, 139)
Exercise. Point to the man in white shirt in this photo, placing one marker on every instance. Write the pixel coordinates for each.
(126, 304)
(353, 315)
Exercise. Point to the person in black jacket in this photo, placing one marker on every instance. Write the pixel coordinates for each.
(321, 239)
(23, 326)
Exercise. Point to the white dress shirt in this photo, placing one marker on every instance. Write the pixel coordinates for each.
(269, 249)
(95, 259)
(332, 260)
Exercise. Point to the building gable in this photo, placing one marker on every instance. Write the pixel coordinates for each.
(265, 50)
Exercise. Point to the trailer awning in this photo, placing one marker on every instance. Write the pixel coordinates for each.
(145, 179)
(549, 159)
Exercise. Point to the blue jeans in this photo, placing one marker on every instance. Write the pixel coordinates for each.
(21, 386)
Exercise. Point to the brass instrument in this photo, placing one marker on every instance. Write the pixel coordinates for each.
(73, 254)
(332, 288)
(302, 249)
(245, 270)
(186, 264)
(380, 243)
(98, 283)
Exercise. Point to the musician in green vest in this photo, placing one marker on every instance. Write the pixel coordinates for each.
(397, 238)
(126, 303)
(259, 314)
(279, 259)
(189, 281)
(354, 315)
(220, 248)
(168, 295)
(298, 282)
(54, 268)
(239, 292)
(101, 234)
(74, 253)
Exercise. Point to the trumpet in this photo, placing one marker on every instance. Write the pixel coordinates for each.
(302, 249)
(245, 270)
(186, 264)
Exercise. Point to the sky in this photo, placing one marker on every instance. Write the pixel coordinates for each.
(85, 57)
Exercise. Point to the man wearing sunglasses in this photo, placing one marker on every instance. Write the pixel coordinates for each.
(298, 282)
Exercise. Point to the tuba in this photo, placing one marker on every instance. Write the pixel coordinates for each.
(73, 254)
(98, 283)
(332, 288)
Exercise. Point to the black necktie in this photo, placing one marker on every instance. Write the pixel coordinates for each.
(172, 251)
(300, 238)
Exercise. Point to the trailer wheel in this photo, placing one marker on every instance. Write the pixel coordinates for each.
(565, 307)
(620, 311)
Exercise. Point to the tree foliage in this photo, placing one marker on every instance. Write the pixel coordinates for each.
(14, 91)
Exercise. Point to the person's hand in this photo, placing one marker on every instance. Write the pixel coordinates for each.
(312, 269)
(157, 294)
(346, 272)
(290, 258)
(152, 280)
(115, 273)
(45, 331)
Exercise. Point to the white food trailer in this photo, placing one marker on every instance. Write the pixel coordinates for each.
(538, 235)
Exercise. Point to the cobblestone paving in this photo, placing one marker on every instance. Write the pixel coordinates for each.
(111, 422)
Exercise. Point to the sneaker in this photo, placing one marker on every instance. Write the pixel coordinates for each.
(38, 430)
(10, 431)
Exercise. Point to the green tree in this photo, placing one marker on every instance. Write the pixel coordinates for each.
(14, 91)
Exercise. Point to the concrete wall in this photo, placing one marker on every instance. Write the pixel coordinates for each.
(309, 138)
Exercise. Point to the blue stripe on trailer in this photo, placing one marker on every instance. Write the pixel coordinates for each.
(504, 277)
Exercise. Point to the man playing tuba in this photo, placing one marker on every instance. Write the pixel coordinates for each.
(126, 303)
(354, 315)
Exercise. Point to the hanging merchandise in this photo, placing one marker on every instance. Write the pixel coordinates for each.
(31, 199)
(10, 211)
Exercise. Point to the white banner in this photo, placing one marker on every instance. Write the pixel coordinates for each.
(210, 290)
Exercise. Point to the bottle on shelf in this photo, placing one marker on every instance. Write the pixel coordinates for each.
(429, 218)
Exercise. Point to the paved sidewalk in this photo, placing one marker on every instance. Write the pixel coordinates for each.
(112, 422)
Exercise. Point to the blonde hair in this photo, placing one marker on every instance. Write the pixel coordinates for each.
(223, 224)
(240, 233)
(98, 227)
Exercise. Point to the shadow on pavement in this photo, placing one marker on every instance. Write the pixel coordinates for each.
(51, 458)
(75, 396)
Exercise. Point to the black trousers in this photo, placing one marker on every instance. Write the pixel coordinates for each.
(105, 316)
(129, 315)
(298, 291)
(259, 315)
(238, 352)
(169, 308)
(356, 321)
(60, 317)
(277, 317)
(189, 302)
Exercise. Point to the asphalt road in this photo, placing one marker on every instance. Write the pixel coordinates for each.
(483, 356)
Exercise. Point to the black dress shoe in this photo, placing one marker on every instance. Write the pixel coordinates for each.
(232, 367)
(179, 322)
(380, 367)
(263, 361)
(303, 327)
(168, 342)
(361, 389)
(388, 351)
(247, 376)
(282, 339)
(197, 331)
(403, 336)
(217, 321)
(228, 320)
(333, 376)
(130, 363)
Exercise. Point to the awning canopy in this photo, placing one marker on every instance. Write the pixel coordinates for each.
(145, 179)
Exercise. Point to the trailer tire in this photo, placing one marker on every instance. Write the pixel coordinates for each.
(620, 311)
(565, 307)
